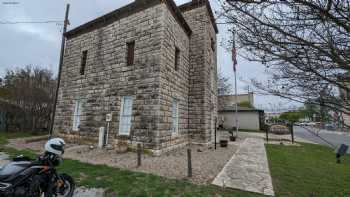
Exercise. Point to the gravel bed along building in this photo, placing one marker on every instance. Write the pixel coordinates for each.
(206, 161)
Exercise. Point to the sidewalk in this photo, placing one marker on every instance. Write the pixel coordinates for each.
(320, 131)
(335, 132)
(248, 169)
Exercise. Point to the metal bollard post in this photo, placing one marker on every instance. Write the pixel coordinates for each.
(139, 154)
(292, 132)
(189, 163)
(215, 133)
(267, 132)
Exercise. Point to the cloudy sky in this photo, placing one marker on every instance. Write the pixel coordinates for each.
(39, 44)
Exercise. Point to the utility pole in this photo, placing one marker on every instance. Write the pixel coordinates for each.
(66, 22)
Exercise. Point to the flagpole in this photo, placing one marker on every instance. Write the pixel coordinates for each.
(234, 58)
(236, 98)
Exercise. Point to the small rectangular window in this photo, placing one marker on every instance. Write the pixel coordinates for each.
(212, 43)
(77, 114)
(83, 62)
(130, 53)
(125, 115)
(177, 58)
(175, 117)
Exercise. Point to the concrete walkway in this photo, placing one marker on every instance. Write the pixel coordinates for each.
(248, 169)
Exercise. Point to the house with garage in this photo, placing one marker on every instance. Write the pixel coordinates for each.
(249, 118)
(151, 66)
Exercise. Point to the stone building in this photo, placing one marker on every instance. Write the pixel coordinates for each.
(152, 65)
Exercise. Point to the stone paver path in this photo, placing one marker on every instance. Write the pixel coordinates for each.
(248, 169)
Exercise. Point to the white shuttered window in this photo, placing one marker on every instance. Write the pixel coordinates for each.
(175, 117)
(125, 115)
(77, 114)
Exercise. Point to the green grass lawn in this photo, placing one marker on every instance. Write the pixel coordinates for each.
(126, 183)
(120, 182)
(309, 170)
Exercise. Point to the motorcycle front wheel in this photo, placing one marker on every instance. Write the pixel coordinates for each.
(67, 188)
(63, 187)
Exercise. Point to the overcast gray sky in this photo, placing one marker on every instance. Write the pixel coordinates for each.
(39, 44)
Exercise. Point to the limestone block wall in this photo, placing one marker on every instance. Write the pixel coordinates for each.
(174, 82)
(203, 71)
(107, 77)
(211, 77)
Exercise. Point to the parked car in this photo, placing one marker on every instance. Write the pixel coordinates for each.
(330, 126)
(299, 124)
(311, 124)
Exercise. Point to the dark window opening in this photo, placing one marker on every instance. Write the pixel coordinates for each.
(83, 62)
(212, 44)
(177, 58)
(131, 53)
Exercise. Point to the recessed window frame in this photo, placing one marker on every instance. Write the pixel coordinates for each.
(212, 44)
(83, 62)
(177, 58)
(130, 53)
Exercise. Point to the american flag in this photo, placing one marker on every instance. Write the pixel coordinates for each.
(234, 53)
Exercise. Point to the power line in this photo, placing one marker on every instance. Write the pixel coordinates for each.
(28, 22)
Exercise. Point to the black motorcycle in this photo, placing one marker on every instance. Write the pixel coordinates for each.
(26, 178)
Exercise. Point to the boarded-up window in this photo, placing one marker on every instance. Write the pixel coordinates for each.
(130, 53)
(83, 62)
(177, 58)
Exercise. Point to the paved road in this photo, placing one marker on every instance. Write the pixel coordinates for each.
(335, 139)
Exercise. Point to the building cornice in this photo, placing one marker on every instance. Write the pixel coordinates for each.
(128, 10)
(199, 3)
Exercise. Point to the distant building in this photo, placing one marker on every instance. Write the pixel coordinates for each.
(248, 117)
(230, 100)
